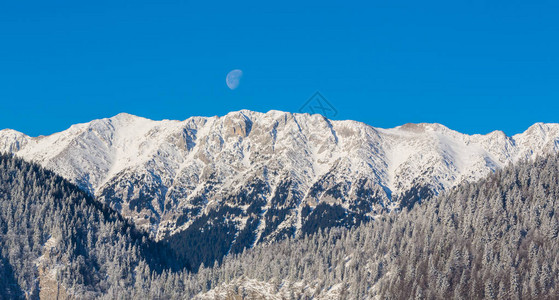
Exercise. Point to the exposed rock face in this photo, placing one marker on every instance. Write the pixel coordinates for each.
(49, 286)
(264, 176)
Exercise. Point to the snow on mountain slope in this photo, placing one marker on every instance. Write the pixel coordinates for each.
(276, 173)
(245, 288)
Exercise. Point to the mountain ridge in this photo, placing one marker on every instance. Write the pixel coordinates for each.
(409, 125)
(270, 170)
(20, 139)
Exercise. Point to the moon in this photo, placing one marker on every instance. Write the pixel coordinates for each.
(233, 78)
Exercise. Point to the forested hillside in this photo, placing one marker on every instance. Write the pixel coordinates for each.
(493, 239)
(55, 238)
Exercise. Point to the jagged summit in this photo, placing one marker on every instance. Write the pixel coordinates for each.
(269, 166)
(422, 127)
(125, 117)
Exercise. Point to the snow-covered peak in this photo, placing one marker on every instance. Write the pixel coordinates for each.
(161, 170)
(12, 141)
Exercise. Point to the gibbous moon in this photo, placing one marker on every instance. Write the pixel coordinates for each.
(234, 78)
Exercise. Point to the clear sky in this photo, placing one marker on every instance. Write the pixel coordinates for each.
(475, 66)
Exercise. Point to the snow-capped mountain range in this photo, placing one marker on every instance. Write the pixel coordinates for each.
(271, 171)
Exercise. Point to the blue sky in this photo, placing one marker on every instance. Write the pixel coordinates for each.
(475, 66)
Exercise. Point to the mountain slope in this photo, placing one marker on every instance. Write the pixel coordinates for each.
(251, 177)
(497, 238)
(58, 242)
